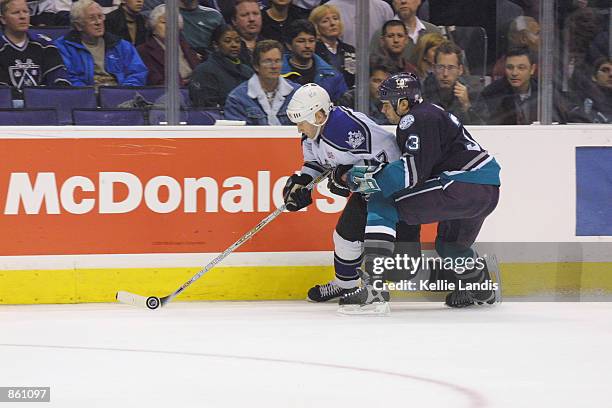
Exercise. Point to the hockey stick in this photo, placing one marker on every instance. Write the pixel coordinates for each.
(153, 302)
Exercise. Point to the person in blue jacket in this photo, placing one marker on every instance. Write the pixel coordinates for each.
(93, 57)
(263, 99)
(303, 66)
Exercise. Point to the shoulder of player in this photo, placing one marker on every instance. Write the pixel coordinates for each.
(347, 131)
(417, 117)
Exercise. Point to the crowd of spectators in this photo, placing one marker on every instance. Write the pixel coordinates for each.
(245, 58)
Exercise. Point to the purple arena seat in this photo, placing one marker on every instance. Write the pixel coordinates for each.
(6, 98)
(28, 117)
(50, 33)
(109, 117)
(63, 99)
(113, 96)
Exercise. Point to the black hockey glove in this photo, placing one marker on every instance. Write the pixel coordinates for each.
(335, 184)
(295, 193)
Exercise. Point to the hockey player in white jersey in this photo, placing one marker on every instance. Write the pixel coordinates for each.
(337, 137)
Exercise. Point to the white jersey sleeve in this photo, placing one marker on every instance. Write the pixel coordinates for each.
(311, 165)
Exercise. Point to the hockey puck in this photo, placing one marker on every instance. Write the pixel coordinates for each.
(153, 302)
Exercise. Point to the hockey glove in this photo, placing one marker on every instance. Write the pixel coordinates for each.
(295, 194)
(360, 179)
(335, 184)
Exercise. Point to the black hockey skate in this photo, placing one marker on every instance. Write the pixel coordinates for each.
(460, 298)
(366, 299)
(329, 291)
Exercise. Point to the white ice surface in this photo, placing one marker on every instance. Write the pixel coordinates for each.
(295, 354)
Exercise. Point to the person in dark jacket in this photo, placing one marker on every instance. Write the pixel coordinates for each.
(513, 100)
(93, 57)
(127, 22)
(278, 15)
(340, 55)
(223, 71)
(153, 52)
(448, 88)
(592, 99)
(26, 59)
(302, 66)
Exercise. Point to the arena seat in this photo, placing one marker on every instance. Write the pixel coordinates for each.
(28, 117)
(50, 32)
(63, 99)
(109, 117)
(113, 96)
(6, 98)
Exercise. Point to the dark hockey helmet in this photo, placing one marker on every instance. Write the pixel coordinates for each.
(404, 85)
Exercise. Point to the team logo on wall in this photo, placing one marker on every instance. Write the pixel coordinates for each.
(406, 122)
(24, 73)
(355, 139)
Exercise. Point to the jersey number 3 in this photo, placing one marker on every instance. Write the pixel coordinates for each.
(413, 143)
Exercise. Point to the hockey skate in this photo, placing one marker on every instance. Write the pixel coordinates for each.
(329, 291)
(366, 300)
(460, 298)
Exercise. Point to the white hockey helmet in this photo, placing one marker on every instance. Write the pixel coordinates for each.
(306, 101)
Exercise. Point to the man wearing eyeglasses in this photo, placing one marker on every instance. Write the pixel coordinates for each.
(446, 86)
(263, 99)
(95, 58)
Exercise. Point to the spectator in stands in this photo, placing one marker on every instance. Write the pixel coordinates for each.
(26, 60)
(247, 20)
(302, 65)
(93, 57)
(276, 17)
(335, 52)
(263, 99)
(223, 71)
(379, 71)
(406, 12)
(593, 100)
(513, 100)
(426, 51)
(523, 32)
(447, 88)
(199, 24)
(393, 42)
(127, 22)
(153, 51)
(379, 12)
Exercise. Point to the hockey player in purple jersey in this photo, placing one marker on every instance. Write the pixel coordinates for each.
(337, 137)
(443, 176)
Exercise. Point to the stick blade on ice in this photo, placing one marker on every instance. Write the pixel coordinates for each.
(128, 298)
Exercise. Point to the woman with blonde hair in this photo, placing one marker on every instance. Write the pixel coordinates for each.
(340, 55)
(426, 50)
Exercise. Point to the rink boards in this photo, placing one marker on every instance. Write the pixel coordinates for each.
(89, 211)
